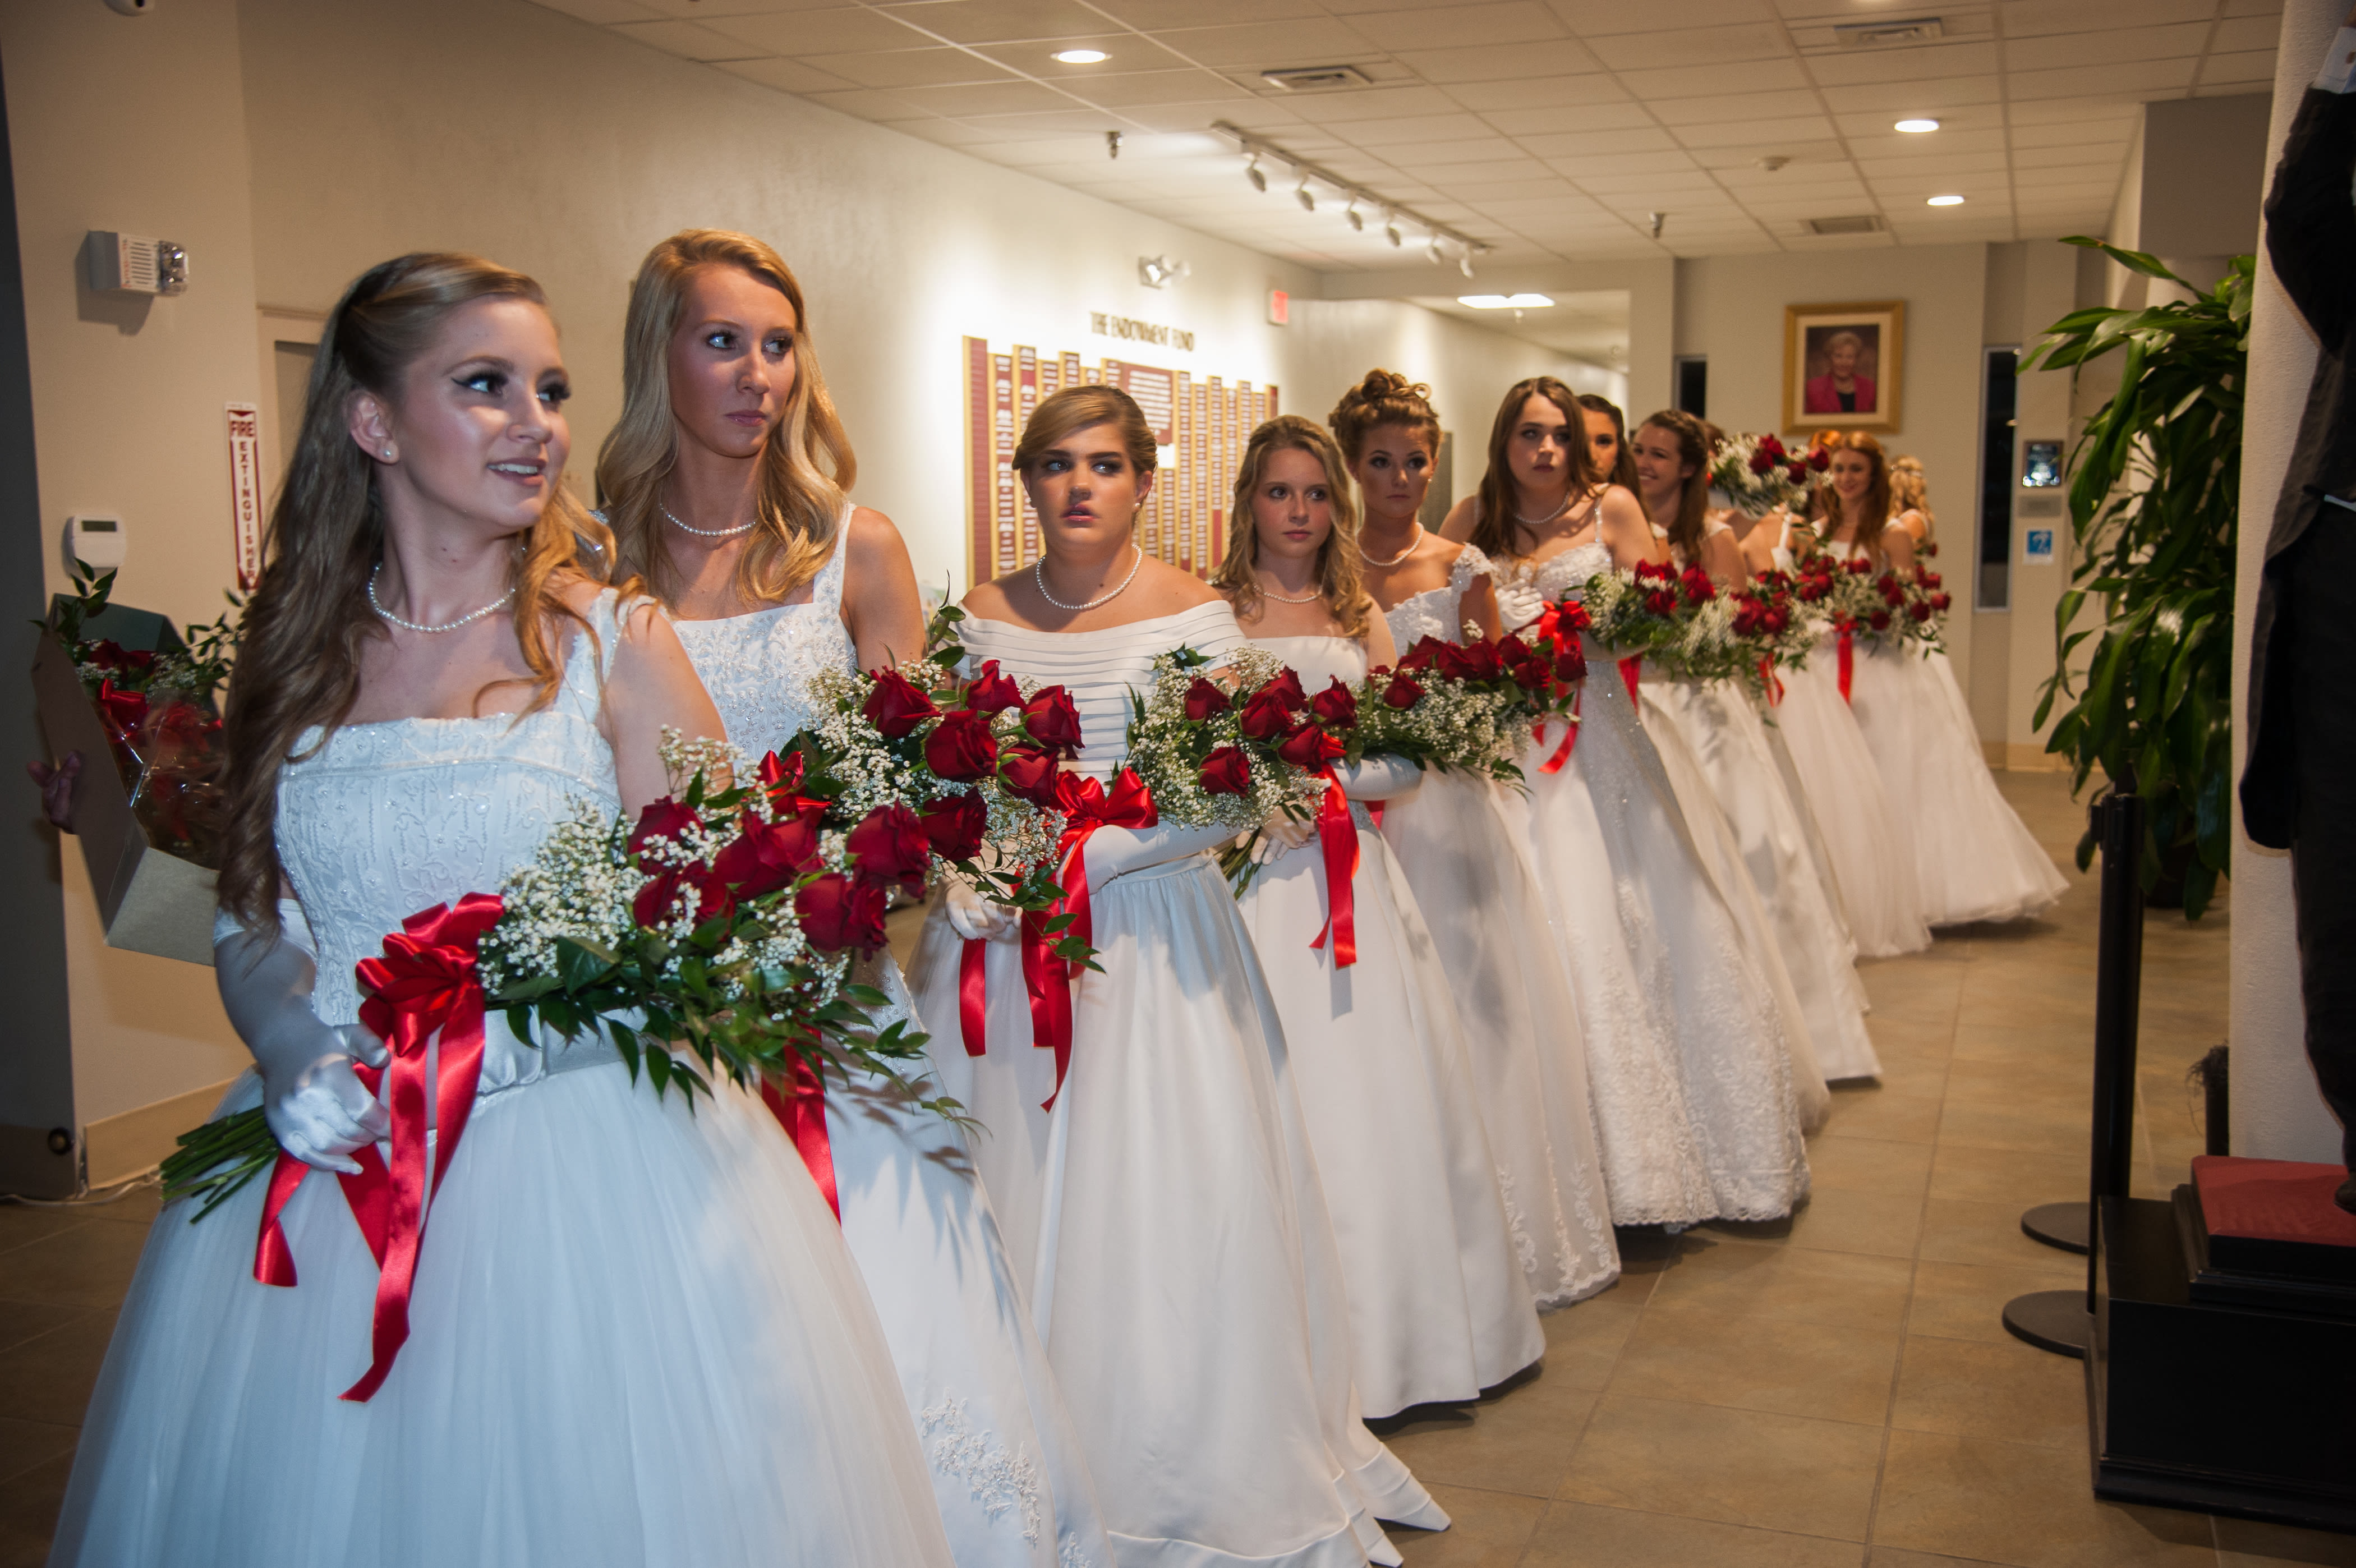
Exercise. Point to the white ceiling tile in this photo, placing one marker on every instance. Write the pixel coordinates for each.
(788, 75)
(1501, 62)
(1991, 162)
(2024, 18)
(950, 134)
(1093, 122)
(1264, 45)
(1941, 143)
(2229, 90)
(869, 104)
(994, 21)
(1693, 46)
(705, 10)
(1574, 144)
(1423, 154)
(837, 30)
(1444, 178)
(1171, 118)
(2231, 8)
(1129, 89)
(1599, 183)
(2257, 69)
(1722, 108)
(978, 98)
(1594, 18)
(1799, 156)
(2137, 78)
(1425, 27)
(2237, 34)
(1371, 103)
(1757, 132)
(1634, 163)
(2108, 157)
(1895, 97)
(687, 40)
(1409, 131)
(1125, 53)
(2052, 51)
(1600, 97)
(1930, 62)
(2075, 133)
(913, 68)
(602, 12)
(2061, 111)
(1754, 78)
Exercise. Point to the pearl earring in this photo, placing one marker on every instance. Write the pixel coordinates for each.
(388, 451)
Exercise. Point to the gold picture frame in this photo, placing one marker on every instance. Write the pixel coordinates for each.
(1861, 344)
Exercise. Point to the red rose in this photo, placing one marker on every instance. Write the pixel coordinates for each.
(1477, 662)
(1698, 586)
(1336, 706)
(108, 654)
(1028, 774)
(1571, 617)
(1402, 692)
(665, 818)
(1310, 747)
(1859, 566)
(783, 773)
(125, 710)
(660, 899)
(836, 913)
(1779, 620)
(954, 825)
(1662, 602)
(895, 706)
(1266, 714)
(1811, 589)
(1227, 771)
(1820, 459)
(961, 748)
(1919, 610)
(1420, 655)
(1928, 579)
(768, 855)
(1050, 719)
(1655, 572)
(1761, 460)
(1206, 700)
(1772, 445)
(1570, 664)
(1879, 620)
(1940, 602)
(1748, 617)
(889, 845)
(1286, 686)
(1797, 473)
(991, 693)
(1529, 671)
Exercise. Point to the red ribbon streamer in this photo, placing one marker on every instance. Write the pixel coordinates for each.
(973, 994)
(802, 1113)
(1771, 682)
(1631, 669)
(1570, 734)
(1338, 836)
(1847, 659)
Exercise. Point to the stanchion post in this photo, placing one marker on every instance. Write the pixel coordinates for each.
(2119, 991)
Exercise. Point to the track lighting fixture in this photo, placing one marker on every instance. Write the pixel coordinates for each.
(1302, 194)
(1390, 228)
(1441, 242)
(1464, 264)
(1251, 172)
(1357, 219)
(1431, 250)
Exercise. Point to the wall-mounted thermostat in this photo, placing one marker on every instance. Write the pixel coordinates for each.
(95, 539)
(134, 263)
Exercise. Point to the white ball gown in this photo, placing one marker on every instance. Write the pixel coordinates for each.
(1378, 1054)
(636, 1337)
(1512, 985)
(1007, 1470)
(1722, 769)
(1860, 830)
(1973, 858)
(1167, 1213)
(1691, 1075)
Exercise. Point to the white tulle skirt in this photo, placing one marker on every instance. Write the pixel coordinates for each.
(1522, 1034)
(1168, 1218)
(1974, 860)
(1691, 1075)
(1438, 1306)
(636, 1338)
(1722, 735)
(1007, 1468)
(1869, 845)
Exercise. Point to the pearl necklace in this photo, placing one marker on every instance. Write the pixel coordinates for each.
(1268, 592)
(1039, 575)
(496, 604)
(710, 532)
(1415, 539)
(1542, 521)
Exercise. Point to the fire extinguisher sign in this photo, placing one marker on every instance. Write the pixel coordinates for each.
(245, 491)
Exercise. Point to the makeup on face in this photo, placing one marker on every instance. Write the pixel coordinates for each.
(1540, 448)
(1394, 472)
(479, 428)
(731, 361)
(1292, 507)
(1085, 487)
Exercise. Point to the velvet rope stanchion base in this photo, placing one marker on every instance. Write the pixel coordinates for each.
(2061, 1225)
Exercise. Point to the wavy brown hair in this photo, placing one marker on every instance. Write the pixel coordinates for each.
(298, 662)
(1875, 508)
(1383, 397)
(1910, 490)
(1494, 527)
(1339, 582)
(1693, 495)
(1623, 472)
(806, 465)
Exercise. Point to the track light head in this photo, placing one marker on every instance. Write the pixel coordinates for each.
(1431, 250)
(1304, 195)
(1464, 262)
(1252, 173)
(1391, 230)
(1358, 218)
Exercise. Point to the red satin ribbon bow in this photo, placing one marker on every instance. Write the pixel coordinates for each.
(1337, 837)
(1631, 670)
(1086, 806)
(1771, 682)
(425, 984)
(1550, 625)
(802, 1113)
(1846, 642)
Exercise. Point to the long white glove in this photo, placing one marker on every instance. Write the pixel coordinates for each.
(315, 1106)
(973, 916)
(1519, 601)
(1384, 777)
(1115, 852)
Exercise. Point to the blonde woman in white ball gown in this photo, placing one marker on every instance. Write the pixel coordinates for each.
(1450, 837)
(1691, 1075)
(771, 575)
(1438, 1308)
(636, 1339)
(1716, 744)
(1161, 1202)
(1974, 859)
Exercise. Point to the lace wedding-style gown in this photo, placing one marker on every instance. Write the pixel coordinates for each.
(635, 1336)
(1864, 838)
(1512, 985)
(1715, 746)
(1691, 1075)
(1973, 858)
(1378, 1053)
(1007, 1470)
(1168, 1213)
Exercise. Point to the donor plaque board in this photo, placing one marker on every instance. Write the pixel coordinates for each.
(1201, 424)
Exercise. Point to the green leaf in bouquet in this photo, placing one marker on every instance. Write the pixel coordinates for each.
(866, 996)
(581, 965)
(1185, 658)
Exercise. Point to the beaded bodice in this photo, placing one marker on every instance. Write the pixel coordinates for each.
(1437, 612)
(758, 667)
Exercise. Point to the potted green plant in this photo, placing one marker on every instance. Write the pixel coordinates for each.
(2155, 494)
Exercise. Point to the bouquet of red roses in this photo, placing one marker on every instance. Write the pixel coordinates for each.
(1466, 708)
(1759, 473)
(1925, 608)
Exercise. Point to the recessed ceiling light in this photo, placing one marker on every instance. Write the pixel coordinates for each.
(1916, 127)
(1947, 201)
(1504, 301)
(1079, 57)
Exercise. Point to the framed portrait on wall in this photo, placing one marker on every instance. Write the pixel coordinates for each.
(1843, 365)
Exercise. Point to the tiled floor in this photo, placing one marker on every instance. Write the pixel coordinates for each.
(1833, 1392)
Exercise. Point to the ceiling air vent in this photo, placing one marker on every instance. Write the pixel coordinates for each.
(1317, 78)
(1859, 223)
(1882, 34)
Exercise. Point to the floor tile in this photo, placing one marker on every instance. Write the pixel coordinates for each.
(26, 1445)
(1873, 1113)
(1580, 1535)
(1584, 1340)
(1486, 1530)
(88, 1266)
(1737, 1286)
(28, 1512)
(49, 1379)
(2022, 1176)
(1520, 1442)
(1891, 1557)
(2004, 1388)
(1965, 1301)
(2033, 1126)
(1750, 1467)
(1959, 1231)
(21, 1223)
(1793, 1368)
(21, 1320)
(2017, 1504)
(2248, 1543)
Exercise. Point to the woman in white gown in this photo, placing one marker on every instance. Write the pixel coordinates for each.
(1161, 1201)
(1861, 837)
(714, 482)
(1374, 1043)
(635, 1335)
(1451, 843)
(1974, 860)
(1691, 1077)
(1722, 769)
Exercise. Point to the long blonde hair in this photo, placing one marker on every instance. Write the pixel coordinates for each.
(1910, 490)
(807, 467)
(299, 660)
(1339, 581)
(1496, 530)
